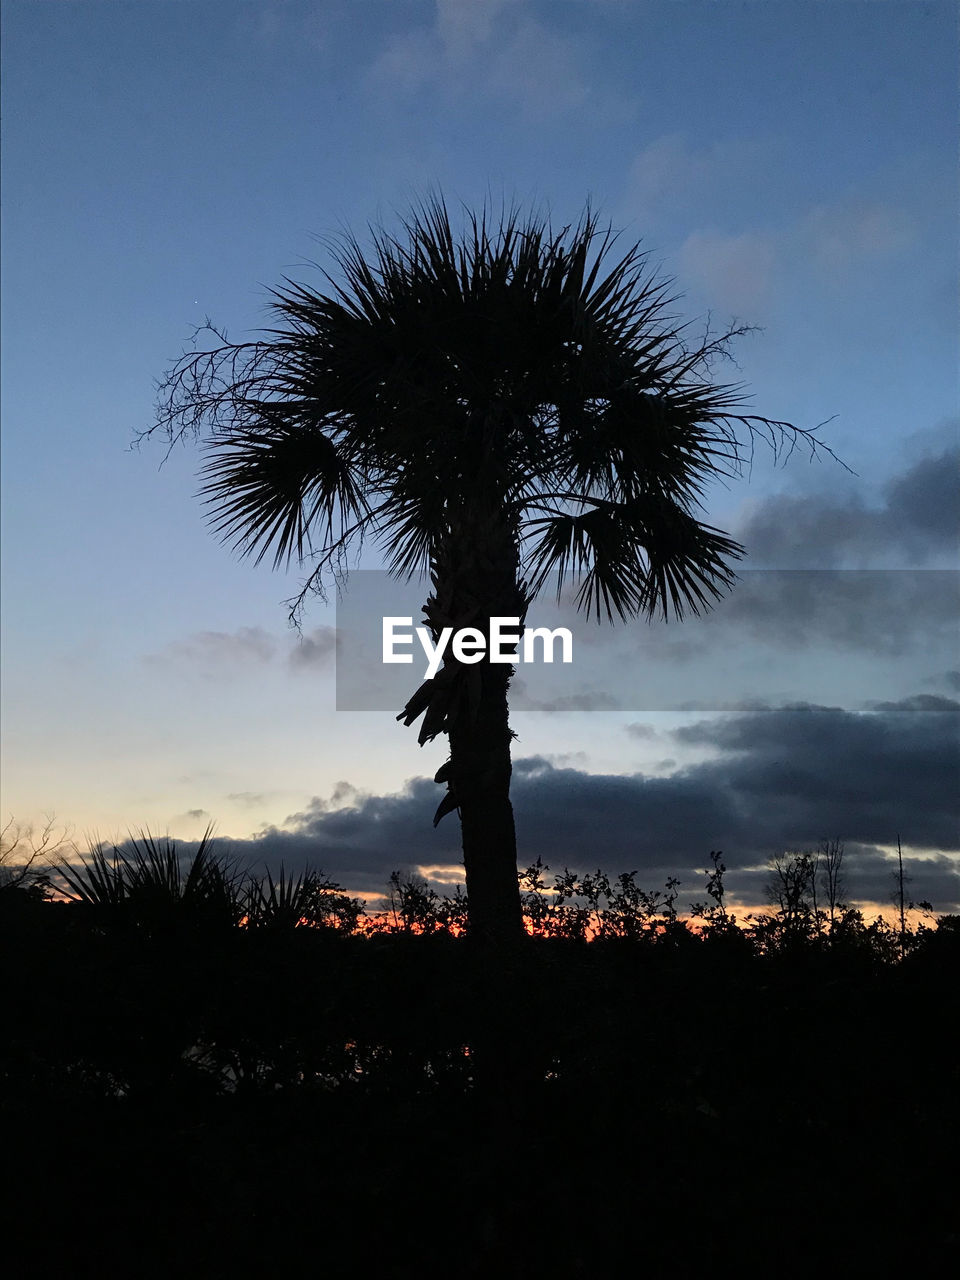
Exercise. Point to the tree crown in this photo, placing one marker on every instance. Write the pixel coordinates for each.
(507, 374)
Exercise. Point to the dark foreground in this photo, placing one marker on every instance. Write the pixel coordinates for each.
(181, 1102)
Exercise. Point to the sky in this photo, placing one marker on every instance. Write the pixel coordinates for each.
(790, 165)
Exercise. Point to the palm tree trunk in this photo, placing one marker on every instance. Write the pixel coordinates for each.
(475, 578)
(480, 770)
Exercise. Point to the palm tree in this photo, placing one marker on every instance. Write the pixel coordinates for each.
(493, 406)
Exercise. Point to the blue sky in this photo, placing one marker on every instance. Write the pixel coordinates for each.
(792, 164)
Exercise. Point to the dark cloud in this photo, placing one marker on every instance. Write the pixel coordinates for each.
(874, 613)
(361, 843)
(780, 779)
(920, 702)
(916, 521)
(923, 505)
(800, 770)
(778, 635)
(881, 612)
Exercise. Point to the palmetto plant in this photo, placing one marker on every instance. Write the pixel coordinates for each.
(147, 883)
(309, 900)
(492, 406)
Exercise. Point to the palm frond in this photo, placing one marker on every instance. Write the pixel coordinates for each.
(272, 486)
(644, 555)
(309, 900)
(146, 882)
(99, 881)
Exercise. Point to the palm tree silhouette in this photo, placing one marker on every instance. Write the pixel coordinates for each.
(493, 406)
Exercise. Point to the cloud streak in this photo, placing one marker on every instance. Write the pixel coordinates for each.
(218, 652)
(211, 650)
